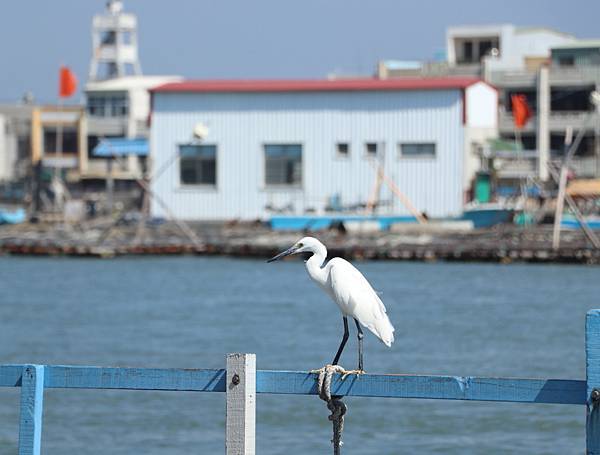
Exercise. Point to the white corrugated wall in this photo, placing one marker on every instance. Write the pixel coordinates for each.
(241, 123)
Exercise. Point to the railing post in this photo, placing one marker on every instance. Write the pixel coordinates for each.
(241, 404)
(592, 367)
(32, 403)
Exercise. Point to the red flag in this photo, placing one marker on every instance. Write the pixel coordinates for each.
(68, 82)
(520, 109)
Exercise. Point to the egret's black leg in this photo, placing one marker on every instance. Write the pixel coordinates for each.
(360, 346)
(343, 343)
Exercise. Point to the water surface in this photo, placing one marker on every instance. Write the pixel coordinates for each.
(460, 319)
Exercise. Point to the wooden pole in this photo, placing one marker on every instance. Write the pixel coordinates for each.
(180, 223)
(592, 237)
(241, 404)
(32, 401)
(110, 185)
(401, 196)
(374, 197)
(562, 183)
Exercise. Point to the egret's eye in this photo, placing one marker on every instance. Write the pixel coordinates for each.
(300, 245)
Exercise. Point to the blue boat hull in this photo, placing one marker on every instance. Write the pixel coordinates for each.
(319, 223)
(572, 223)
(483, 218)
(16, 217)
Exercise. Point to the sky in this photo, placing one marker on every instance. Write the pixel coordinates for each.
(256, 38)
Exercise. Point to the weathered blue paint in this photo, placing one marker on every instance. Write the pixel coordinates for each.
(33, 379)
(135, 378)
(318, 223)
(432, 387)
(32, 402)
(10, 375)
(592, 355)
(293, 382)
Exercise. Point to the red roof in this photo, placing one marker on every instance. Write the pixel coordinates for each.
(324, 85)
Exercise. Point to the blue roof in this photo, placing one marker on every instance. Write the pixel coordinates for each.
(119, 146)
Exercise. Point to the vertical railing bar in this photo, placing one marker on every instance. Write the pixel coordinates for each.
(32, 404)
(592, 361)
(240, 388)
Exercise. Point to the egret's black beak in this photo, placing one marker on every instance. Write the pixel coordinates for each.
(283, 254)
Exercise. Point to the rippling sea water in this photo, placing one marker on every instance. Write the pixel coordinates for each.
(462, 319)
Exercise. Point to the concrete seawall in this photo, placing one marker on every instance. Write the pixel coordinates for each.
(500, 244)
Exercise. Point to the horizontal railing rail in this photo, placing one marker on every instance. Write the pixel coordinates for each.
(241, 381)
(553, 391)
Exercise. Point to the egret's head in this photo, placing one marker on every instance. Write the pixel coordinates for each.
(305, 244)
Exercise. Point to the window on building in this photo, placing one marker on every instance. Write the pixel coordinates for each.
(283, 164)
(107, 70)
(485, 48)
(115, 105)
(108, 37)
(567, 60)
(571, 99)
(468, 51)
(95, 106)
(70, 142)
(342, 149)
(118, 106)
(371, 148)
(417, 150)
(586, 147)
(198, 164)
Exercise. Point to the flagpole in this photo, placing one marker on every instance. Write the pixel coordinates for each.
(521, 114)
(67, 86)
(58, 153)
(59, 135)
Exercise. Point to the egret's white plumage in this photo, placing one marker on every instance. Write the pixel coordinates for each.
(356, 298)
(347, 287)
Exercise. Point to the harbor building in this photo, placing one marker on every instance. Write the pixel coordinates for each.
(556, 73)
(251, 149)
(105, 138)
(117, 98)
(15, 148)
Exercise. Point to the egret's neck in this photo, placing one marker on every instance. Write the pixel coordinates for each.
(315, 262)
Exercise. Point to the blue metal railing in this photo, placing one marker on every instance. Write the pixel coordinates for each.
(33, 379)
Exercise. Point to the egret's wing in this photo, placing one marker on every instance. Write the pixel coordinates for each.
(354, 292)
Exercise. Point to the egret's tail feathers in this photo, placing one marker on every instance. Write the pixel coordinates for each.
(384, 330)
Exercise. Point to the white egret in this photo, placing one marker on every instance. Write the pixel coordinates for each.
(349, 289)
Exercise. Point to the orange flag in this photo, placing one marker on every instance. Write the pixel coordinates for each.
(68, 82)
(520, 109)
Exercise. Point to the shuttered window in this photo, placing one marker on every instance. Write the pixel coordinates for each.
(283, 164)
(417, 150)
(198, 164)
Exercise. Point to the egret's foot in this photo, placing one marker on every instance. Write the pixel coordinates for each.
(356, 372)
(324, 380)
(338, 369)
(329, 366)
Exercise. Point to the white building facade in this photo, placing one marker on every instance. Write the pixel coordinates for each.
(502, 47)
(293, 147)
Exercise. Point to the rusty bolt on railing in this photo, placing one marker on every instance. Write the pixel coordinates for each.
(595, 396)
